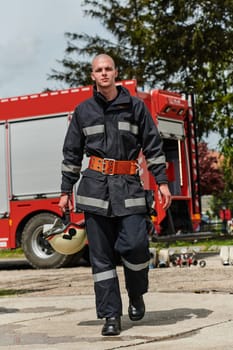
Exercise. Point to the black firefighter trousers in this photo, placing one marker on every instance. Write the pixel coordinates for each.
(109, 238)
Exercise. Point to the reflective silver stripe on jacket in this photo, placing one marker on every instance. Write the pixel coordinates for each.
(135, 267)
(128, 127)
(92, 130)
(71, 168)
(93, 202)
(135, 202)
(102, 276)
(155, 161)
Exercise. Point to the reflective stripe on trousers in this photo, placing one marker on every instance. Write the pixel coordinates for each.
(135, 267)
(103, 276)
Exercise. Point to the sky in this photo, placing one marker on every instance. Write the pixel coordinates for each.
(32, 40)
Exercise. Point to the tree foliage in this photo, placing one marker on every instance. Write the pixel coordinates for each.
(216, 178)
(170, 44)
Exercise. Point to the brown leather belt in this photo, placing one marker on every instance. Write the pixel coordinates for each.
(109, 166)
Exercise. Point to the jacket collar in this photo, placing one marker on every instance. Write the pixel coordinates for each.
(122, 100)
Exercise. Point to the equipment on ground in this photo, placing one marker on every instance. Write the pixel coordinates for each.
(186, 258)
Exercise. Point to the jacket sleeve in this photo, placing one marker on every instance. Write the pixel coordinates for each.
(73, 149)
(152, 145)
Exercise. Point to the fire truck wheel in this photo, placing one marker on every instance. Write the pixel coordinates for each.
(37, 250)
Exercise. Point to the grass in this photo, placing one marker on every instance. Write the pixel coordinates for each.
(11, 253)
(206, 244)
(8, 292)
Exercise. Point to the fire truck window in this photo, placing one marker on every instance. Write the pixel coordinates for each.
(170, 148)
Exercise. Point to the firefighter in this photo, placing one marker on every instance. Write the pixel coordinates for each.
(111, 128)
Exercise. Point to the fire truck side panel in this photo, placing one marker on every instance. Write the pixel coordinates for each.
(46, 103)
(3, 173)
(4, 233)
(23, 210)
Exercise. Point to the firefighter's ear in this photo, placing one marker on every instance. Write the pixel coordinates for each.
(116, 73)
(92, 76)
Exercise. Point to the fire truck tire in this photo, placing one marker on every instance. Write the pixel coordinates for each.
(37, 250)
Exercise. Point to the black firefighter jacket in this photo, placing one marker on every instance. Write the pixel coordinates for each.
(116, 130)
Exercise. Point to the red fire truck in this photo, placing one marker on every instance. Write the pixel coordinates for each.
(32, 130)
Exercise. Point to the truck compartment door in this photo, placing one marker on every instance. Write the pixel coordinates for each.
(36, 155)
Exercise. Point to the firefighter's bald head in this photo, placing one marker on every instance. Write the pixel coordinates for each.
(103, 57)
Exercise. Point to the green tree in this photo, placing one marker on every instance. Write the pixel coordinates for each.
(129, 31)
(227, 195)
(216, 178)
(170, 44)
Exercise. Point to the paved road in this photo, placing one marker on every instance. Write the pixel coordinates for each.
(173, 321)
(58, 311)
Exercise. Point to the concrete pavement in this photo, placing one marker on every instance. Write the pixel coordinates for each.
(173, 321)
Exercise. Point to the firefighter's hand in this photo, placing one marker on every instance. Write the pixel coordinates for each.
(165, 196)
(65, 202)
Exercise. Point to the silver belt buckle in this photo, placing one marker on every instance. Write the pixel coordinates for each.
(104, 166)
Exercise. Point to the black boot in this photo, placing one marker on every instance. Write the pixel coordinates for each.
(136, 308)
(112, 326)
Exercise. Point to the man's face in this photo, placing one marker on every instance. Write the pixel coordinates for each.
(103, 72)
